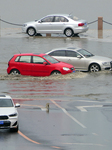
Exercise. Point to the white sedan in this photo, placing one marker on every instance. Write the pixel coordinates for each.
(56, 23)
(8, 113)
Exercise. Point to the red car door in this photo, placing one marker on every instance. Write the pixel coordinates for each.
(39, 67)
(24, 65)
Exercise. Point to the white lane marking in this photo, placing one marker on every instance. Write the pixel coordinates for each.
(86, 144)
(68, 114)
(82, 108)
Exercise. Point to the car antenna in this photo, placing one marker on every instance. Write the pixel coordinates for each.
(19, 52)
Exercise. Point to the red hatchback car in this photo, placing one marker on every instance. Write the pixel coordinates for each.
(37, 65)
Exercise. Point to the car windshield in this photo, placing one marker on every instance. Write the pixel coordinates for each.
(73, 17)
(85, 53)
(51, 59)
(6, 103)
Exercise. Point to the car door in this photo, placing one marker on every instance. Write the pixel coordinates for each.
(24, 65)
(59, 55)
(76, 60)
(38, 67)
(45, 25)
(59, 24)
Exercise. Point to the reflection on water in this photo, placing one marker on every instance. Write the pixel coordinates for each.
(42, 86)
(100, 34)
(87, 85)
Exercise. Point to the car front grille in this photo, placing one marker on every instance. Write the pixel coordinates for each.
(3, 117)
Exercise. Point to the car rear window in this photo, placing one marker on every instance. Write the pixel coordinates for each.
(26, 59)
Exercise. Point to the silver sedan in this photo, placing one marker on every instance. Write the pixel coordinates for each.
(56, 23)
(81, 59)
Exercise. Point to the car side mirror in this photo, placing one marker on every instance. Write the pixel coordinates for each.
(17, 105)
(44, 63)
(79, 56)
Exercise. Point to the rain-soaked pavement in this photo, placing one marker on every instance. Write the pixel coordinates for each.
(80, 104)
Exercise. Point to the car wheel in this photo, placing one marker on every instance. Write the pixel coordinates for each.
(31, 31)
(94, 68)
(55, 73)
(14, 72)
(68, 32)
(14, 129)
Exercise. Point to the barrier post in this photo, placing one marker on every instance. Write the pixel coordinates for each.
(100, 27)
(100, 23)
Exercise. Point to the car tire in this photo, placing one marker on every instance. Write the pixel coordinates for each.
(14, 72)
(68, 32)
(94, 68)
(55, 73)
(14, 129)
(31, 31)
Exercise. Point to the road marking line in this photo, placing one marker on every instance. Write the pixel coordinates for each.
(68, 114)
(24, 136)
(87, 144)
(82, 108)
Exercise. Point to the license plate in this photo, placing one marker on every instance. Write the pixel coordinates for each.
(1, 122)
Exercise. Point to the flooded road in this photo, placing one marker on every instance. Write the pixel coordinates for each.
(80, 104)
(79, 115)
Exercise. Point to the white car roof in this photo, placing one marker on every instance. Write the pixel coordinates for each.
(5, 97)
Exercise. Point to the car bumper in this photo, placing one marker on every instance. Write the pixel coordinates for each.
(81, 29)
(24, 29)
(7, 124)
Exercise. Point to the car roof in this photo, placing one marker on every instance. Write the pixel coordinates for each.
(29, 54)
(59, 15)
(65, 48)
(5, 97)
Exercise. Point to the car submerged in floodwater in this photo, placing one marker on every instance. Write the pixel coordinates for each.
(81, 59)
(37, 65)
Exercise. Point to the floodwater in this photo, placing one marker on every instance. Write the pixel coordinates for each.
(92, 85)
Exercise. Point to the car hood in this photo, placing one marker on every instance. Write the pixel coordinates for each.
(63, 64)
(100, 58)
(7, 110)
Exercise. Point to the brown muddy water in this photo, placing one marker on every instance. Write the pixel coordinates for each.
(95, 86)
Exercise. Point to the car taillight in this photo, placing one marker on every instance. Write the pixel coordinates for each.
(81, 24)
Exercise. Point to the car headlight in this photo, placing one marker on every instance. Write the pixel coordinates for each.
(13, 115)
(66, 69)
(106, 63)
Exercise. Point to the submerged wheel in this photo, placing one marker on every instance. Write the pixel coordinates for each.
(14, 72)
(94, 68)
(55, 73)
(31, 31)
(68, 32)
